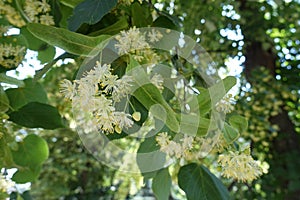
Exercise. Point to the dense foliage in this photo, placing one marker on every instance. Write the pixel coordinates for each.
(152, 78)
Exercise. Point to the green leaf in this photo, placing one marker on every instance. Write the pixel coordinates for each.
(90, 12)
(37, 115)
(46, 55)
(199, 183)
(4, 102)
(238, 122)
(219, 90)
(149, 158)
(112, 29)
(132, 64)
(25, 175)
(204, 101)
(151, 98)
(31, 92)
(35, 43)
(137, 125)
(46, 52)
(14, 40)
(66, 12)
(230, 133)
(174, 19)
(161, 184)
(166, 22)
(26, 195)
(31, 152)
(55, 11)
(71, 42)
(209, 97)
(141, 17)
(195, 125)
(10, 80)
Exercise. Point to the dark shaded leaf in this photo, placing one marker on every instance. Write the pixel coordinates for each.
(37, 115)
(31, 92)
(90, 12)
(4, 102)
(199, 183)
(26, 175)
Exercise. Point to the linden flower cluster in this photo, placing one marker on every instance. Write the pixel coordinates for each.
(192, 147)
(3, 30)
(158, 81)
(264, 100)
(225, 105)
(10, 13)
(11, 56)
(240, 166)
(94, 97)
(38, 12)
(135, 42)
(172, 148)
(5, 184)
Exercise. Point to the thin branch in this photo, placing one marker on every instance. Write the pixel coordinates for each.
(39, 73)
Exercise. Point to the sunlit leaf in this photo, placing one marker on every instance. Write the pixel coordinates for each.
(230, 133)
(239, 122)
(161, 184)
(71, 42)
(32, 151)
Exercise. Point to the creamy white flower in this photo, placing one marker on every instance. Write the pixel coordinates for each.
(11, 56)
(5, 184)
(31, 9)
(239, 166)
(43, 6)
(130, 40)
(38, 12)
(47, 19)
(106, 122)
(162, 139)
(173, 149)
(123, 119)
(225, 104)
(3, 29)
(67, 88)
(110, 82)
(154, 35)
(158, 81)
(122, 88)
(11, 14)
(187, 142)
(100, 72)
(94, 95)
(102, 105)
